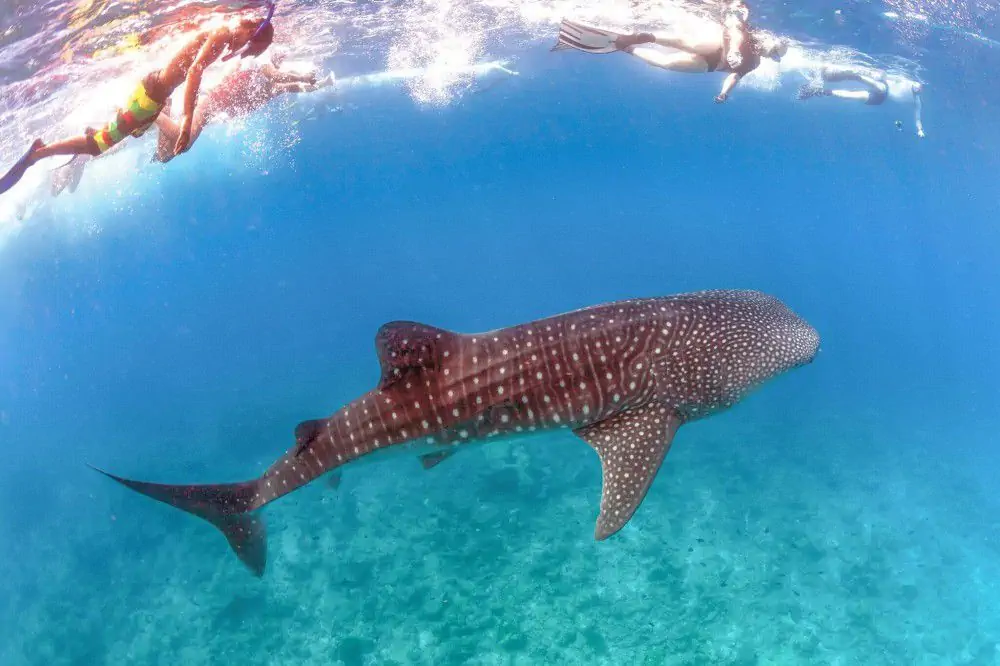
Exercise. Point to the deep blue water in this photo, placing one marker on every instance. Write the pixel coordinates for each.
(186, 339)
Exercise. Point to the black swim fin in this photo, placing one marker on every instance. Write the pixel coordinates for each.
(16, 172)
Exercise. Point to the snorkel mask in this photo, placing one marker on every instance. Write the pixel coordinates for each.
(256, 44)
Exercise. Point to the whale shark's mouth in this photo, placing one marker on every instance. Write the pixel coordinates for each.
(813, 345)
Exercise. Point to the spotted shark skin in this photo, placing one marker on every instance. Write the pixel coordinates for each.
(622, 376)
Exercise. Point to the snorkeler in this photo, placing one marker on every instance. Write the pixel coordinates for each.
(727, 47)
(877, 89)
(239, 94)
(249, 37)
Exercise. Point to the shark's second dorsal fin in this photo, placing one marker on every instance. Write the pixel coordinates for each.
(631, 445)
(406, 346)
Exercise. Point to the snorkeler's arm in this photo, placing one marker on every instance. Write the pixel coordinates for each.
(916, 113)
(736, 33)
(735, 26)
(283, 88)
(209, 53)
(727, 87)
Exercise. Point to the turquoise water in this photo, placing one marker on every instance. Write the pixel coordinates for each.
(175, 323)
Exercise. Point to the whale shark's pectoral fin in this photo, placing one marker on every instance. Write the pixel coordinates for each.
(405, 347)
(430, 460)
(631, 446)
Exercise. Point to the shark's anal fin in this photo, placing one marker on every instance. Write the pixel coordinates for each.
(430, 460)
(405, 347)
(333, 479)
(631, 446)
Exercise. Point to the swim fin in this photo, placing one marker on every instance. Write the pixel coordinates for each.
(810, 90)
(67, 177)
(16, 172)
(586, 38)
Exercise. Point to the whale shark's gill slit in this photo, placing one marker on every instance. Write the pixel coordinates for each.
(631, 446)
(225, 505)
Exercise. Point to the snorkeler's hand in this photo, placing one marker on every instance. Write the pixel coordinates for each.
(721, 97)
(920, 133)
(183, 136)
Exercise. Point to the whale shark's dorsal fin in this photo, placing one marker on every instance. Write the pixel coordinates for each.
(405, 346)
(631, 445)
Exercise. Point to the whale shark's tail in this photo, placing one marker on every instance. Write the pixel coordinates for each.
(228, 506)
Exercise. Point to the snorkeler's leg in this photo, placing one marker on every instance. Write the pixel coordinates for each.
(286, 88)
(77, 145)
(870, 82)
(857, 95)
(703, 40)
(675, 62)
(278, 77)
(82, 145)
(167, 138)
(837, 73)
(673, 40)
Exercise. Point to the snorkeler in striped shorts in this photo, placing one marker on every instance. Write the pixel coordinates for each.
(249, 37)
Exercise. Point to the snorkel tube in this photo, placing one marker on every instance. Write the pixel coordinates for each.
(248, 48)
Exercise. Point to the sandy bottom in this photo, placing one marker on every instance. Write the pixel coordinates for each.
(803, 544)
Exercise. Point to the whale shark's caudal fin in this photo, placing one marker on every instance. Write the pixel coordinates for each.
(631, 445)
(225, 505)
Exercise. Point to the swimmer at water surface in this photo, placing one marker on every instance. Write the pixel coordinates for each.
(876, 89)
(239, 94)
(731, 46)
(248, 37)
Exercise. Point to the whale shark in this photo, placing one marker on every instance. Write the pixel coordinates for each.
(622, 376)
